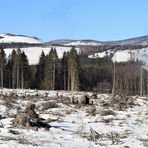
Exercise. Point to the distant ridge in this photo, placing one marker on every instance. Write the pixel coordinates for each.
(9, 38)
(142, 40)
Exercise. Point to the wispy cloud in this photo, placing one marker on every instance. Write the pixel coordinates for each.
(59, 12)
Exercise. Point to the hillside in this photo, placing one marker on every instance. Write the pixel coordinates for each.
(11, 38)
(143, 40)
(124, 50)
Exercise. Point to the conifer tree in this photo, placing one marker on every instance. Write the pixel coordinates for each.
(64, 70)
(25, 72)
(39, 76)
(50, 70)
(73, 70)
(18, 59)
(2, 66)
(13, 68)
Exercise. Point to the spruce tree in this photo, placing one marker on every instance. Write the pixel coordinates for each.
(73, 70)
(64, 71)
(39, 76)
(50, 74)
(13, 68)
(25, 72)
(2, 66)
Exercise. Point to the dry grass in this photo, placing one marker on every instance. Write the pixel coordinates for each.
(107, 112)
(92, 111)
(114, 137)
(48, 104)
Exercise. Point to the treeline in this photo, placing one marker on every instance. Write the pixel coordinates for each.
(73, 72)
(94, 49)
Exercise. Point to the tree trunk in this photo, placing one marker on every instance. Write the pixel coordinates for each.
(13, 78)
(114, 77)
(17, 81)
(1, 75)
(141, 82)
(22, 80)
(53, 87)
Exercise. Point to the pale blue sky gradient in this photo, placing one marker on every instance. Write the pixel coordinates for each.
(75, 19)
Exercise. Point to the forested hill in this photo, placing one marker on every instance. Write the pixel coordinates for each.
(33, 46)
(28, 63)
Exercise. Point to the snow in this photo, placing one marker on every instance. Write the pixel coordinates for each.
(34, 53)
(8, 38)
(125, 55)
(73, 128)
(77, 43)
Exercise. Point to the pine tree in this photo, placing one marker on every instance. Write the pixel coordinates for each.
(73, 70)
(25, 72)
(50, 70)
(39, 76)
(13, 68)
(18, 59)
(64, 70)
(19, 74)
(2, 66)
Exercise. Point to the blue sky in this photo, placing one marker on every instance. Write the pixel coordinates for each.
(75, 19)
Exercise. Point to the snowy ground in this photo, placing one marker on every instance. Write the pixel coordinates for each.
(72, 129)
(125, 55)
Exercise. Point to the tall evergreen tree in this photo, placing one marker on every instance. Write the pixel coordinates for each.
(25, 72)
(50, 70)
(13, 68)
(39, 76)
(19, 74)
(18, 60)
(73, 70)
(2, 66)
(64, 71)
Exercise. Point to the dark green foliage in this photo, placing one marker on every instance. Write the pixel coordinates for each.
(25, 72)
(39, 76)
(50, 70)
(73, 72)
(64, 72)
(19, 74)
(2, 66)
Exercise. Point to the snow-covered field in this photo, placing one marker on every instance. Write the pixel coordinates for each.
(74, 126)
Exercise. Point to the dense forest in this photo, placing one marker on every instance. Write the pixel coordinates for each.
(73, 72)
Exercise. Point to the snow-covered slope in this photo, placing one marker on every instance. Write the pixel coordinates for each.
(10, 38)
(125, 55)
(67, 42)
(35, 47)
(33, 53)
(84, 43)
